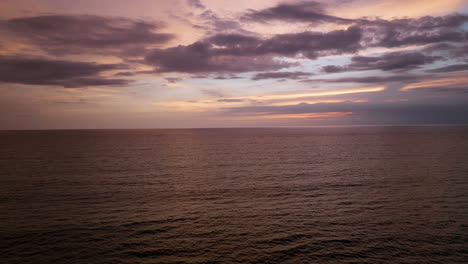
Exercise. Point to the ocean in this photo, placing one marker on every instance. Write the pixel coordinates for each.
(389, 194)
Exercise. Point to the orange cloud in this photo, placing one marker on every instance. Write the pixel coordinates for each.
(446, 82)
(317, 102)
(273, 100)
(305, 115)
(324, 93)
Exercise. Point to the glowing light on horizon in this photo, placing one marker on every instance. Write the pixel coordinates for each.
(271, 100)
(456, 81)
(318, 102)
(269, 115)
(324, 93)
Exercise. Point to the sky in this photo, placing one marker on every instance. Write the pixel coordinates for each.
(248, 63)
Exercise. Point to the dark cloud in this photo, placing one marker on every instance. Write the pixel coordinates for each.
(40, 71)
(333, 69)
(229, 49)
(448, 50)
(461, 89)
(233, 40)
(76, 34)
(196, 4)
(313, 44)
(202, 58)
(460, 52)
(216, 24)
(308, 44)
(281, 75)
(393, 61)
(439, 47)
(227, 77)
(294, 12)
(450, 68)
(411, 31)
(239, 53)
(377, 32)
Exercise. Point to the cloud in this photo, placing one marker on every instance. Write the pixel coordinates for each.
(310, 11)
(195, 4)
(281, 75)
(233, 40)
(452, 81)
(238, 53)
(227, 77)
(457, 52)
(439, 47)
(202, 58)
(376, 32)
(69, 74)
(236, 50)
(414, 31)
(450, 68)
(314, 44)
(461, 52)
(77, 34)
(393, 61)
(216, 24)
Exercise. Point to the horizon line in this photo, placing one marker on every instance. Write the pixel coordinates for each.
(240, 127)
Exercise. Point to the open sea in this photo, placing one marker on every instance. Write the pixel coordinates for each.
(268, 195)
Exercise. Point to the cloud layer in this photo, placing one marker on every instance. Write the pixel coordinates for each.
(239, 53)
(295, 12)
(77, 34)
(394, 61)
(69, 74)
(241, 60)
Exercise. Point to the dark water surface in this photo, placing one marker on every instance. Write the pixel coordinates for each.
(302, 195)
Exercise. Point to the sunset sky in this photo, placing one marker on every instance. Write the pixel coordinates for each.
(245, 63)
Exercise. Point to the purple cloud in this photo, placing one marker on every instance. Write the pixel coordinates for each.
(393, 61)
(411, 31)
(371, 79)
(202, 58)
(451, 68)
(77, 34)
(196, 4)
(294, 12)
(281, 75)
(69, 74)
(238, 53)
